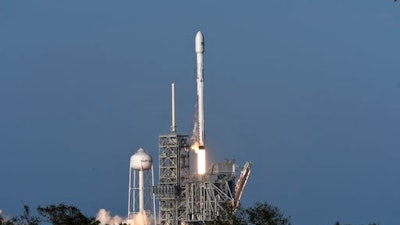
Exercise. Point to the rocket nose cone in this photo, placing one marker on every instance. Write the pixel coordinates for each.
(199, 36)
(199, 41)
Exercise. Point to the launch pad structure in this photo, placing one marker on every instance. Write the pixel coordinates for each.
(173, 177)
(201, 197)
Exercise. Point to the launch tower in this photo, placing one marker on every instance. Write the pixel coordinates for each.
(203, 196)
(173, 173)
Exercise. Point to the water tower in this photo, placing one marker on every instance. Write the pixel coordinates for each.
(141, 181)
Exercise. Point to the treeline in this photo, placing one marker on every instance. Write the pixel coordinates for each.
(62, 214)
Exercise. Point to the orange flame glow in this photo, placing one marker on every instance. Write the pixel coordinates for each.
(201, 158)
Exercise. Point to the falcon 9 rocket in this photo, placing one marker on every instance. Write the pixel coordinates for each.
(201, 154)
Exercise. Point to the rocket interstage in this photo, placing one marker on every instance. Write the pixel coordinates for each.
(201, 154)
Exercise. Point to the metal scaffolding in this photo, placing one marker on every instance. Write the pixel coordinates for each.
(174, 173)
(207, 195)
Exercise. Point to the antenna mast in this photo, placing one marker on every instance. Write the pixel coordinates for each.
(173, 125)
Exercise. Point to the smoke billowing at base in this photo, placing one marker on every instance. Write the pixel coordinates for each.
(5, 217)
(140, 218)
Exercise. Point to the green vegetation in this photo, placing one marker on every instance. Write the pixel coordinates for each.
(62, 214)
(338, 223)
(260, 214)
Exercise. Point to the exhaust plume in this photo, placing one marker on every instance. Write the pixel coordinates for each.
(195, 133)
(139, 218)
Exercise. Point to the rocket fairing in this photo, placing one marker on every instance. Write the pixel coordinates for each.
(199, 47)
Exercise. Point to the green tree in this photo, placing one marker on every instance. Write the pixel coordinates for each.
(26, 218)
(338, 223)
(260, 214)
(4, 221)
(266, 214)
(231, 216)
(65, 215)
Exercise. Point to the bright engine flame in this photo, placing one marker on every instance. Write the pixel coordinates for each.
(201, 161)
(201, 158)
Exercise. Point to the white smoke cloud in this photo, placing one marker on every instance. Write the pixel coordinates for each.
(138, 219)
(195, 132)
(5, 217)
(105, 218)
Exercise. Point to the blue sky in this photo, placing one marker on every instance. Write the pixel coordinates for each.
(306, 90)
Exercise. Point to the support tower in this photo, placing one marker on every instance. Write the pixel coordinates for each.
(174, 173)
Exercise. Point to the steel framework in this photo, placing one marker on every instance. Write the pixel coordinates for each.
(208, 195)
(174, 173)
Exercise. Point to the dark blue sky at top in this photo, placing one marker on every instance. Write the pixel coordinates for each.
(306, 90)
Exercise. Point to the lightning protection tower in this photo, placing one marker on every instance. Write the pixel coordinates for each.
(141, 180)
(174, 173)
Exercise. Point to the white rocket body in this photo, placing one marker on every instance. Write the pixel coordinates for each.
(199, 46)
(201, 152)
